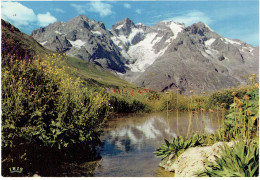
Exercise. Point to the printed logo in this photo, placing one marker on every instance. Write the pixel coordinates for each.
(16, 169)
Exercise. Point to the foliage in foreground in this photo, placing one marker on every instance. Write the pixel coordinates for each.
(241, 122)
(43, 104)
(242, 160)
(178, 146)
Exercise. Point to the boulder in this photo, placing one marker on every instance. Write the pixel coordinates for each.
(193, 160)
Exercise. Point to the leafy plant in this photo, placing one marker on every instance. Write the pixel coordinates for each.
(178, 146)
(242, 160)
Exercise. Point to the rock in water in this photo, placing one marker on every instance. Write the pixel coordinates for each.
(192, 160)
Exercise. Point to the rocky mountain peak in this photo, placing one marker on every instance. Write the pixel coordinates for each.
(79, 21)
(191, 58)
(82, 38)
(198, 28)
(123, 27)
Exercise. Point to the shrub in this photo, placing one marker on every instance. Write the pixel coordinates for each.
(42, 103)
(225, 96)
(178, 146)
(242, 160)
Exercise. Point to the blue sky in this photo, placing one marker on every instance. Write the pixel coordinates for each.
(229, 18)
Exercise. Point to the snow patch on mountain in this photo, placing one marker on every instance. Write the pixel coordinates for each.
(77, 44)
(143, 44)
(43, 43)
(176, 28)
(58, 32)
(226, 41)
(119, 26)
(144, 53)
(209, 42)
(96, 32)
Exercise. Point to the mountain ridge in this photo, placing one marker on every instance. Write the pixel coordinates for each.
(136, 53)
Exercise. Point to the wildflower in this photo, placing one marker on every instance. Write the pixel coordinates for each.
(202, 109)
(203, 92)
(248, 113)
(234, 93)
(253, 118)
(217, 103)
(191, 92)
(223, 104)
(166, 92)
(239, 125)
(115, 90)
(240, 105)
(256, 85)
(211, 110)
(240, 109)
(246, 97)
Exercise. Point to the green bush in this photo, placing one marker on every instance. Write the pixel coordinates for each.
(225, 96)
(242, 160)
(42, 103)
(127, 104)
(178, 146)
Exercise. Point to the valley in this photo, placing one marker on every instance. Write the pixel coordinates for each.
(78, 98)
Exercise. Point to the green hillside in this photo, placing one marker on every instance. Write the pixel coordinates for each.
(17, 42)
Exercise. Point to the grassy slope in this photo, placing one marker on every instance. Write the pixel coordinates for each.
(96, 75)
(88, 72)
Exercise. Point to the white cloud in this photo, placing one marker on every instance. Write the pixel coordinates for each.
(138, 11)
(79, 8)
(59, 10)
(127, 5)
(103, 9)
(192, 17)
(20, 15)
(17, 14)
(45, 19)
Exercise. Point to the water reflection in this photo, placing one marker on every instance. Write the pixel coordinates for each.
(129, 141)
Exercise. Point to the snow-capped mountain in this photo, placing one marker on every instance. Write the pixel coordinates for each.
(141, 44)
(201, 60)
(165, 56)
(83, 38)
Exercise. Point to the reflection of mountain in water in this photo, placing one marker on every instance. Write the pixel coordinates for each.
(133, 133)
(135, 136)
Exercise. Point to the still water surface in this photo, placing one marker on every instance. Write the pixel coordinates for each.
(129, 141)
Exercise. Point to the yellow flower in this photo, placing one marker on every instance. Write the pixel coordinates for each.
(234, 93)
(246, 97)
(248, 113)
(253, 118)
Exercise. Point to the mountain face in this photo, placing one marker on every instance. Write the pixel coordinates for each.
(141, 45)
(165, 56)
(84, 39)
(201, 60)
